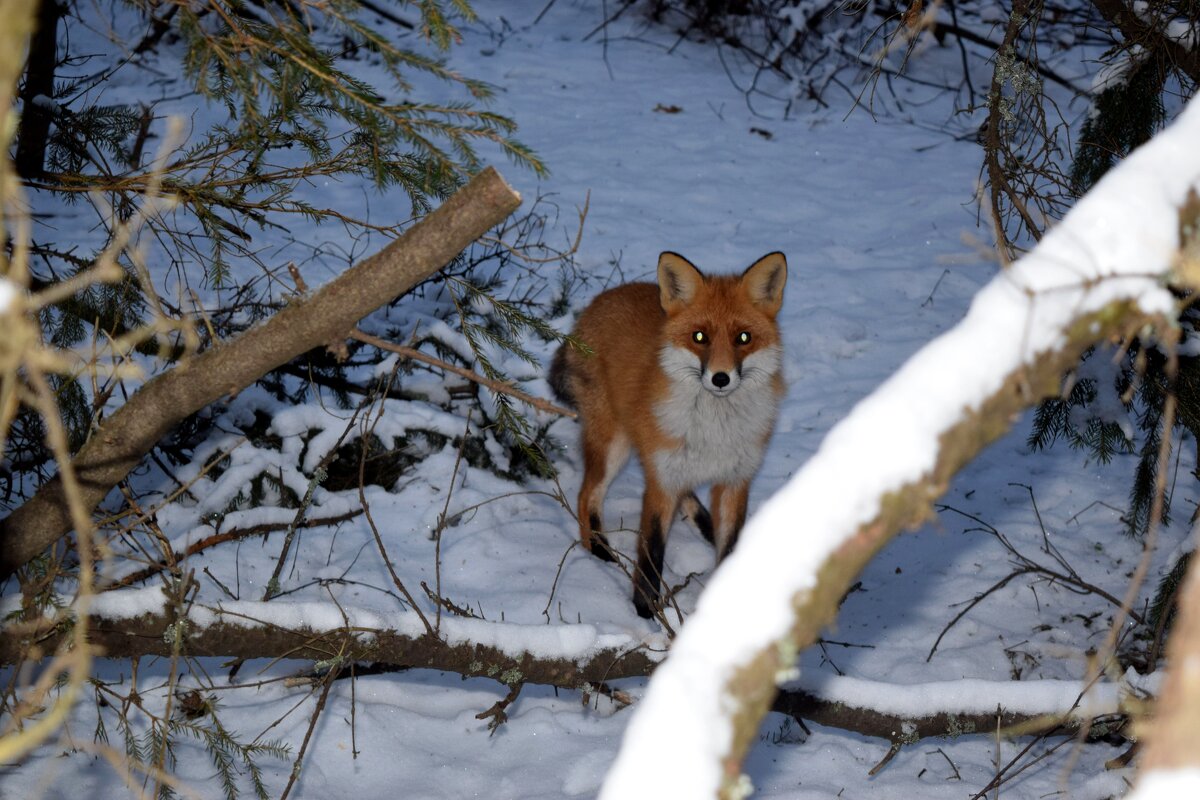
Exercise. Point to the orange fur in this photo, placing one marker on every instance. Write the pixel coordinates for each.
(687, 375)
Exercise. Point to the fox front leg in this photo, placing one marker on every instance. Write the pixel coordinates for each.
(604, 453)
(728, 510)
(658, 509)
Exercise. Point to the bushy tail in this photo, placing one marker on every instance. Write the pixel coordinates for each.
(560, 377)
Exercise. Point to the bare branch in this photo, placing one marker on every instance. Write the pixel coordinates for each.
(121, 440)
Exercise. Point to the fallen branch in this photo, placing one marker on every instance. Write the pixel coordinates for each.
(243, 630)
(236, 634)
(121, 440)
(496, 386)
(1008, 703)
(233, 534)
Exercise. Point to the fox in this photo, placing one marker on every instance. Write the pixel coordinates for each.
(688, 374)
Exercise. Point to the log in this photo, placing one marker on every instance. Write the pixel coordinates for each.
(240, 634)
(324, 317)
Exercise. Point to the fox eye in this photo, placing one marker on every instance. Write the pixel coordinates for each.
(743, 337)
(698, 337)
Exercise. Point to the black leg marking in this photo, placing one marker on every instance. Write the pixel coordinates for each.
(600, 547)
(699, 516)
(651, 549)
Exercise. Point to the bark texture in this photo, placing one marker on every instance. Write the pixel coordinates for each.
(321, 318)
(242, 638)
(39, 83)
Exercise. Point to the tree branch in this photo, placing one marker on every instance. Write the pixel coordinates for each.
(242, 629)
(237, 635)
(328, 315)
(233, 534)
(1137, 31)
(807, 707)
(1096, 277)
(475, 377)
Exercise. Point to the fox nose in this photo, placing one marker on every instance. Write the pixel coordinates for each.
(720, 379)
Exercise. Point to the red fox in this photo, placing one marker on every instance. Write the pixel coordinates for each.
(687, 373)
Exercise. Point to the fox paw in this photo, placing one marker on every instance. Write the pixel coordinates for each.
(645, 609)
(601, 549)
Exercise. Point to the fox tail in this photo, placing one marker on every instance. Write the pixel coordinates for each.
(560, 377)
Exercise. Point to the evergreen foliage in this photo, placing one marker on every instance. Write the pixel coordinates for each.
(196, 718)
(1143, 384)
(1163, 607)
(1087, 420)
(1055, 419)
(1124, 115)
(293, 112)
(1127, 112)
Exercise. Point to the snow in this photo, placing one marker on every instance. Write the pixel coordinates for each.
(1113, 245)
(872, 217)
(129, 603)
(1167, 784)
(1071, 699)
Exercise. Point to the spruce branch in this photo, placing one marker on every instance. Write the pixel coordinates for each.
(123, 438)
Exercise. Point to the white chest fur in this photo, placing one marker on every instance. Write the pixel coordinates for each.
(723, 438)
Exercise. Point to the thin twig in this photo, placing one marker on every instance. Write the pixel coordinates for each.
(297, 521)
(883, 762)
(442, 520)
(330, 677)
(366, 507)
(496, 386)
(978, 599)
(497, 713)
(233, 534)
(1101, 662)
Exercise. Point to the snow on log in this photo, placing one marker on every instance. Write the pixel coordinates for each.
(136, 623)
(1097, 274)
(143, 622)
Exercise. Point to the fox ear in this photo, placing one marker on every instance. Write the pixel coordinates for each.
(764, 281)
(678, 281)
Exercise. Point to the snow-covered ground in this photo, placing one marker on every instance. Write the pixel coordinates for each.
(878, 224)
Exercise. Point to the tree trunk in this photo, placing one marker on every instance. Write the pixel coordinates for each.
(30, 157)
(325, 317)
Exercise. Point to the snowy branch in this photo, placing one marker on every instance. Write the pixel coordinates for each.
(1134, 27)
(568, 657)
(138, 622)
(324, 317)
(906, 714)
(1098, 275)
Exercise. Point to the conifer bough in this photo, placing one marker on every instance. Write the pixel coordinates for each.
(325, 316)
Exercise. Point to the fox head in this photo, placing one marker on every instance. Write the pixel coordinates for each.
(721, 328)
